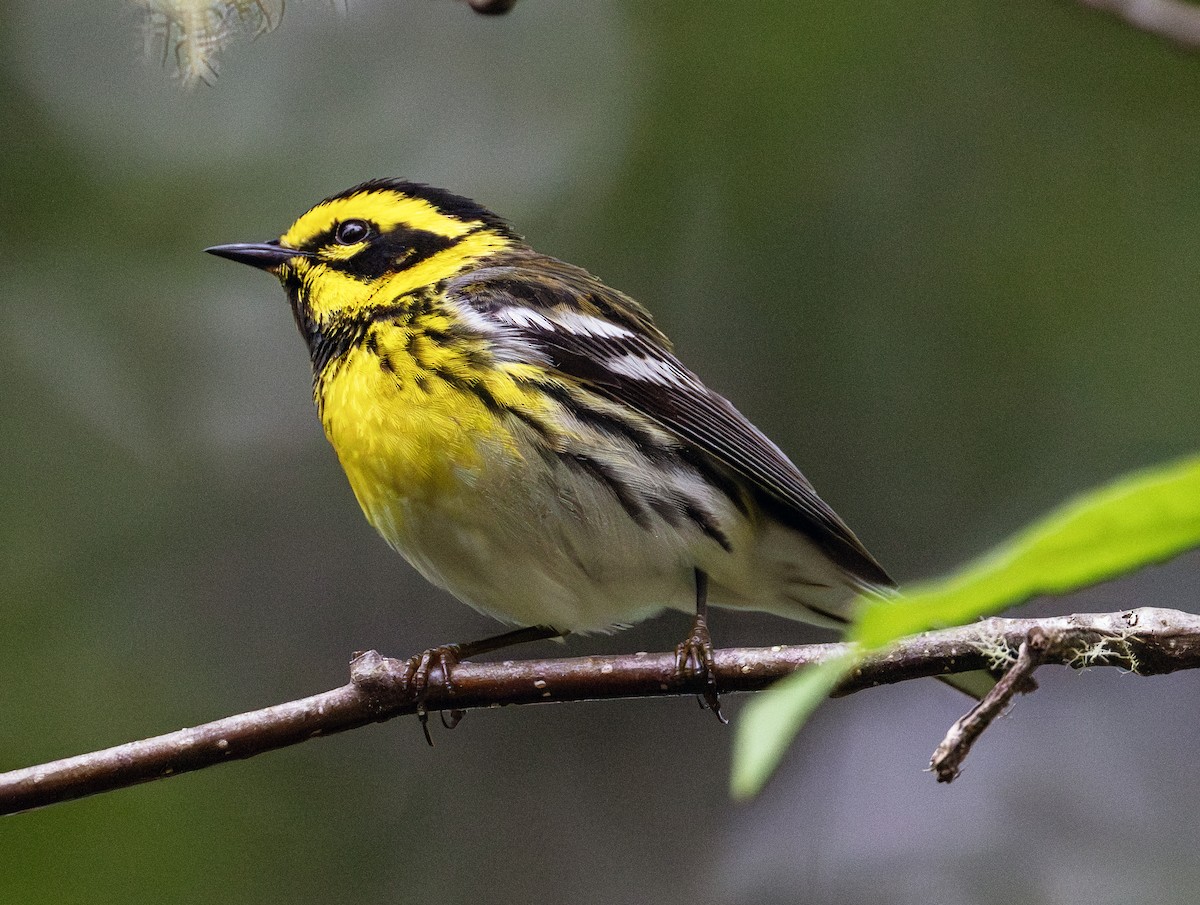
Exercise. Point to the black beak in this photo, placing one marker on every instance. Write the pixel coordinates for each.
(264, 255)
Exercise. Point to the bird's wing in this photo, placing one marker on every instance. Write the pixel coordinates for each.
(627, 360)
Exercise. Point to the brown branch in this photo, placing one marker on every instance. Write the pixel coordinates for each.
(1145, 641)
(1177, 21)
(948, 756)
(492, 7)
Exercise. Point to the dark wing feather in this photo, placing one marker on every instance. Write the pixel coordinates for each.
(668, 393)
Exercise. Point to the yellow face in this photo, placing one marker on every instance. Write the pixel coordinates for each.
(361, 251)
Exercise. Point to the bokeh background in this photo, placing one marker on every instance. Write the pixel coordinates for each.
(944, 252)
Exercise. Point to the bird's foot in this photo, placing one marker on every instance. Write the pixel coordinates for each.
(417, 675)
(421, 667)
(694, 662)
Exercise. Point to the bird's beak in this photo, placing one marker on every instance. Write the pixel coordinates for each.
(264, 255)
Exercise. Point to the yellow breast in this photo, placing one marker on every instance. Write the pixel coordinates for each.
(419, 427)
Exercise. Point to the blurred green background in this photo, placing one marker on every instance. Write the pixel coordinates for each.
(944, 253)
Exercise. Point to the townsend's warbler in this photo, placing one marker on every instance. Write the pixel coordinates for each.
(525, 437)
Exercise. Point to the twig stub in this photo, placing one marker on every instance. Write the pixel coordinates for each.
(948, 757)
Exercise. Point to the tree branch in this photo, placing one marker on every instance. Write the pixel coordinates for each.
(948, 756)
(1145, 641)
(492, 7)
(1177, 21)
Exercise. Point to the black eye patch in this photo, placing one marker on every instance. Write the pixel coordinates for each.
(392, 252)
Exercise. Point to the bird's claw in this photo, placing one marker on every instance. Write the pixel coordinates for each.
(694, 662)
(417, 677)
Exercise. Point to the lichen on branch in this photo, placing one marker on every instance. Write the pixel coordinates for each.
(187, 35)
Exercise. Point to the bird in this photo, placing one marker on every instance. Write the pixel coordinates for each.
(527, 438)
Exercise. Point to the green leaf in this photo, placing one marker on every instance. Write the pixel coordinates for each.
(1136, 521)
(1139, 520)
(770, 721)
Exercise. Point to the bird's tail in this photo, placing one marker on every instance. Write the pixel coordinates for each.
(976, 684)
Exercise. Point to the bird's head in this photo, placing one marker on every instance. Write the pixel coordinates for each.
(366, 249)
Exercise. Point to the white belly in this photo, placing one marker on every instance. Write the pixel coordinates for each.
(536, 549)
(535, 545)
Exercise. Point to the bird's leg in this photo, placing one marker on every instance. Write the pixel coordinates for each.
(420, 667)
(694, 655)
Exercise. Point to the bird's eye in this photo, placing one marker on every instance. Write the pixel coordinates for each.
(351, 232)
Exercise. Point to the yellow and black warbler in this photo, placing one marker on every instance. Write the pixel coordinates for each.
(524, 435)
